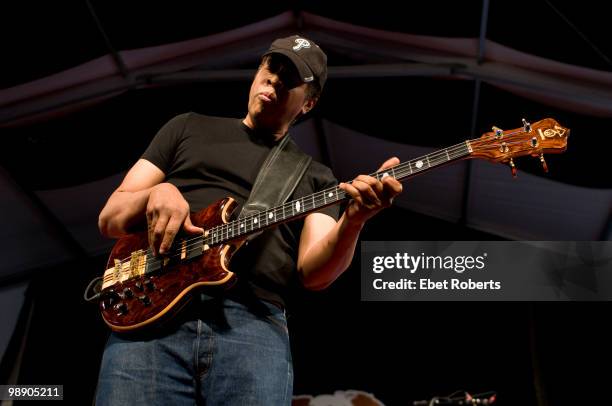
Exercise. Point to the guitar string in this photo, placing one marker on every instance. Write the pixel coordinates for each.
(318, 202)
(229, 227)
(222, 229)
(396, 169)
(399, 170)
(319, 199)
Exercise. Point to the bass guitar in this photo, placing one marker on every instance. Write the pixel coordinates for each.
(140, 289)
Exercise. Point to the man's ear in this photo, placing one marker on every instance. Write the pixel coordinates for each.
(309, 105)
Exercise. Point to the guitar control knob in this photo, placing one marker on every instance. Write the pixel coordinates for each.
(149, 284)
(127, 292)
(121, 308)
(138, 286)
(146, 300)
(109, 298)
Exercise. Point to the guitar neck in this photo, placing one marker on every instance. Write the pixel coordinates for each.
(334, 195)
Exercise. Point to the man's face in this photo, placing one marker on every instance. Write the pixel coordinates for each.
(277, 94)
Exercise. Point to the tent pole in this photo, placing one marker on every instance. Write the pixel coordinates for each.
(475, 106)
(116, 56)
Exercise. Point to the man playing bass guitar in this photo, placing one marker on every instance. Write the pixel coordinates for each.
(232, 348)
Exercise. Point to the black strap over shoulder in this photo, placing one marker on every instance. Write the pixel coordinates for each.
(278, 177)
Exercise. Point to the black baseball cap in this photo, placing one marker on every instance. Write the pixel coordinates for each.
(308, 58)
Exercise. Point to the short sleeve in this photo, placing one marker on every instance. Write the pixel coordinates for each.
(162, 149)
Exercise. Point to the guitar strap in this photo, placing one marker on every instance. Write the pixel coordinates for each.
(277, 179)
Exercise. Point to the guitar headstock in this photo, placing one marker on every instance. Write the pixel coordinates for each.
(542, 137)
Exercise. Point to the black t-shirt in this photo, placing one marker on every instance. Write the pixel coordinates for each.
(210, 158)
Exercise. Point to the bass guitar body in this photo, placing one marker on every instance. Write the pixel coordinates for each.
(140, 289)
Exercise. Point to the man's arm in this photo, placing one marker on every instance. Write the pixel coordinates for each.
(326, 246)
(143, 193)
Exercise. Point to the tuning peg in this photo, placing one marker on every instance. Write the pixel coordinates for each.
(498, 131)
(526, 126)
(544, 166)
(513, 168)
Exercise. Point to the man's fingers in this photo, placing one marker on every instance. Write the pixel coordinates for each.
(190, 228)
(362, 193)
(163, 232)
(149, 217)
(367, 192)
(173, 227)
(151, 222)
(389, 163)
(371, 194)
(391, 188)
(157, 233)
(374, 183)
(393, 184)
(350, 189)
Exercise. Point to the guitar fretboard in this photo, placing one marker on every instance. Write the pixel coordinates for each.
(307, 204)
(192, 247)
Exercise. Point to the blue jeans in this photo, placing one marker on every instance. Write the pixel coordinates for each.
(223, 353)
